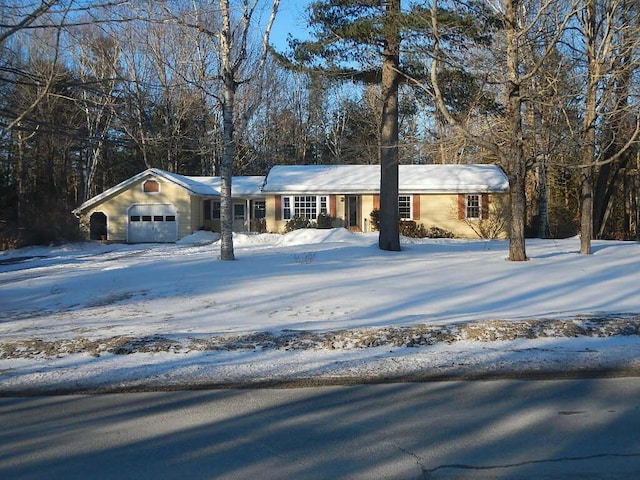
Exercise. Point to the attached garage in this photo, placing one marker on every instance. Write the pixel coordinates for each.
(152, 223)
(156, 206)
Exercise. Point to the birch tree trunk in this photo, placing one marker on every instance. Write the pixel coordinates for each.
(228, 147)
(233, 55)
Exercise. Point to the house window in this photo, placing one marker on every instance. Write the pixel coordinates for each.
(474, 207)
(323, 206)
(215, 211)
(150, 186)
(304, 206)
(259, 209)
(206, 206)
(286, 208)
(238, 211)
(404, 207)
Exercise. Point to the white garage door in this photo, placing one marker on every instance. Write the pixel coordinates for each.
(153, 223)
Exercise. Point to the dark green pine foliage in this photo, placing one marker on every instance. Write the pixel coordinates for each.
(361, 40)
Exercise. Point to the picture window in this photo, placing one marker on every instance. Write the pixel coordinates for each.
(304, 206)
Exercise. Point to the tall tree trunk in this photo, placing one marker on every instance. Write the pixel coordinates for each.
(589, 131)
(226, 176)
(21, 172)
(543, 213)
(228, 145)
(389, 238)
(517, 170)
(634, 199)
(617, 155)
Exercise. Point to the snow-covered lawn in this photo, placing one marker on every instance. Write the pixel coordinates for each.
(311, 304)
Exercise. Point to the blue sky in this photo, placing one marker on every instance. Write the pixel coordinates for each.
(290, 20)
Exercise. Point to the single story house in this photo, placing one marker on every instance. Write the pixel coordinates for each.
(160, 206)
(451, 197)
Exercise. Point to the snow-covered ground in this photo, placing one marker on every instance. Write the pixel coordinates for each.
(313, 304)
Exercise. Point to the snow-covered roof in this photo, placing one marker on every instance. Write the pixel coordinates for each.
(248, 186)
(343, 179)
(336, 179)
(203, 186)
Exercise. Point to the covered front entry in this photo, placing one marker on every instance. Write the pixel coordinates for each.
(155, 223)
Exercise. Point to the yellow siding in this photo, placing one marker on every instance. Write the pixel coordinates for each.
(435, 211)
(197, 215)
(442, 211)
(366, 207)
(272, 225)
(117, 207)
(340, 208)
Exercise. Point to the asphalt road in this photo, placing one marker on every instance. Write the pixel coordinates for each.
(502, 429)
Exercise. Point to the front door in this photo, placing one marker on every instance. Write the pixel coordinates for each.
(239, 217)
(352, 213)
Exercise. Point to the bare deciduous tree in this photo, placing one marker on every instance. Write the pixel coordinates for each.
(611, 124)
(518, 26)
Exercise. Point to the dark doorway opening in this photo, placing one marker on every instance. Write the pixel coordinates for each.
(352, 213)
(98, 226)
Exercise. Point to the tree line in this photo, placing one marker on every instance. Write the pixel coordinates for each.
(93, 92)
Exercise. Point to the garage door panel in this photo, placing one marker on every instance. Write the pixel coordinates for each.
(152, 223)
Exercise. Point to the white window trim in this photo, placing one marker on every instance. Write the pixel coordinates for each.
(410, 197)
(321, 201)
(286, 205)
(466, 207)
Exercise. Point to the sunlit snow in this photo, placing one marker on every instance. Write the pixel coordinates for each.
(91, 315)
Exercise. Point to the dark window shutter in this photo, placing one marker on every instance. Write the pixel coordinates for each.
(485, 206)
(416, 207)
(376, 202)
(278, 208)
(462, 206)
(332, 206)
